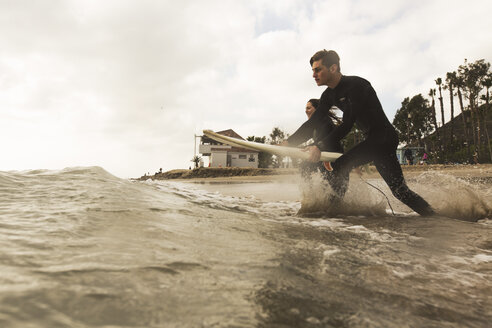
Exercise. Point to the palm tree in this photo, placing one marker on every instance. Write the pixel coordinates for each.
(474, 75)
(459, 84)
(487, 83)
(439, 82)
(196, 160)
(450, 81)
(463, 71)
(432, 94)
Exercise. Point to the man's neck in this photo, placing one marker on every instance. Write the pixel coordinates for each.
(333, 84)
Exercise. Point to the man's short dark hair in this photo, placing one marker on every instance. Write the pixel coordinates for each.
(328, 58)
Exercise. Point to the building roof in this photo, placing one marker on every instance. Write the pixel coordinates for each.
(229, 133)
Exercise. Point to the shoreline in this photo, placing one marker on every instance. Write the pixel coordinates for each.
(478, 172)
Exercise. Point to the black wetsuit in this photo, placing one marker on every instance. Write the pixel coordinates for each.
(317, 131)
(358, 101)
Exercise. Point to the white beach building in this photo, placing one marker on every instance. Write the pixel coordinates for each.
(221, 155)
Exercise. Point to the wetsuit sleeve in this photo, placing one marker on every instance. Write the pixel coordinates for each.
(355, 103)
(323, 130)
(303, 133)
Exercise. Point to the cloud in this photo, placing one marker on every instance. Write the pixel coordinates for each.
(126, 85)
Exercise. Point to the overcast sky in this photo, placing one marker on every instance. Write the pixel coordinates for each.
(126, 85)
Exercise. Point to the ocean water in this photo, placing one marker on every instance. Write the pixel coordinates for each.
(83, 248)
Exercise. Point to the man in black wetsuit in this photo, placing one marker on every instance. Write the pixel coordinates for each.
(358, 101)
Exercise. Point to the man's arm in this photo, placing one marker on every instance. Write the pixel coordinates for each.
(339, 132)
(356, 99)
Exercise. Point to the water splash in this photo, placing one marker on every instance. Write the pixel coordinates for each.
(318, 199)
(455, 197)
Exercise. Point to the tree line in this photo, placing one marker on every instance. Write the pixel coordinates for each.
(459, 137)
(265, 159)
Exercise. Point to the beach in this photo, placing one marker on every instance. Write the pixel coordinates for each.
(254, 175)
(266, 183)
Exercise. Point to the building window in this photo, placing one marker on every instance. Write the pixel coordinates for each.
(242, 156)
(251, 158)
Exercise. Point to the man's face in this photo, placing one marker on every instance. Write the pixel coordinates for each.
(322, 74)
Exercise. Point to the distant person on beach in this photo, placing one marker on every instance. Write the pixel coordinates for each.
(318, 131)
(409, 156)
(358, 101)
(425, 157)
(475, 156)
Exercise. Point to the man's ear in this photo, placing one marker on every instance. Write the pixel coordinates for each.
(333, 68)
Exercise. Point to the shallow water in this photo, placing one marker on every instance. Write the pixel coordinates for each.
(82, 248)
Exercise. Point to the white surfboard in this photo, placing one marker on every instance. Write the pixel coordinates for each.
(272, 149)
